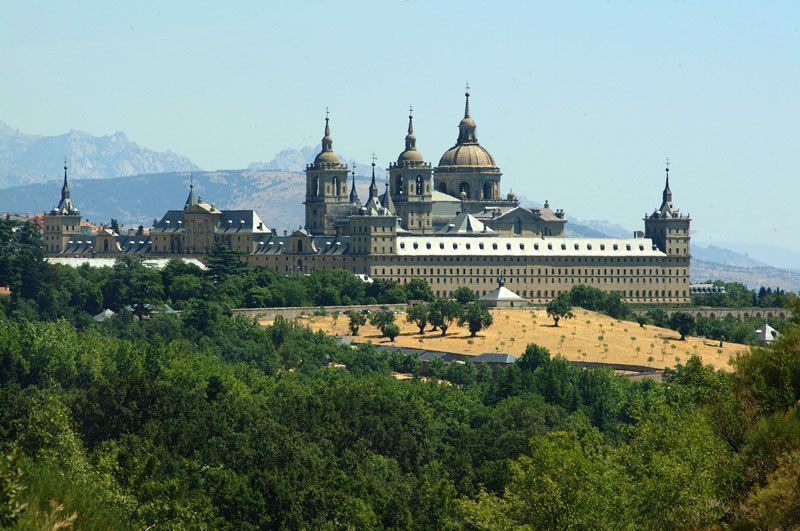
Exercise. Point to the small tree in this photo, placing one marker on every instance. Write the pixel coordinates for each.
(464, 295)
(381, 319)
(642, 320)
(419, 290)
(683, 323)
(534, 357)
(355, 321)
(476, 316)
(443, 312)
(560, 308)
(391, 331)
(418, 314)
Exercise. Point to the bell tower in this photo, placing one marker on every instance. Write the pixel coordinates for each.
(411, 185)
(63, 221)
(326, 188)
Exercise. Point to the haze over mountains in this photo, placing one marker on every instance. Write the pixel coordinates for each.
(113, 177)
(26, 159)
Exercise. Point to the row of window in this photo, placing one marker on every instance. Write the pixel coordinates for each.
(508, 246)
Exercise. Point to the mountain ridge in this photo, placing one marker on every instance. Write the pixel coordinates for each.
(29, 159)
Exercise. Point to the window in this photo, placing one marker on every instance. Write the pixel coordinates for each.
(419, 189)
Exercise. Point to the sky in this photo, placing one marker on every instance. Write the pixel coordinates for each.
(579, 102)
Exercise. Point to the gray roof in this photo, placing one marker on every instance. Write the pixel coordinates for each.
(502, 294)
(324, 245)
(128, 244)
(495, 357)
(230, 221)
(465, 224)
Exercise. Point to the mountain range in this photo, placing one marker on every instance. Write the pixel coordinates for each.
(113, 177)
(27, 159)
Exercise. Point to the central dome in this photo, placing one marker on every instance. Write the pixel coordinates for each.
(470, 155)
(467, 152)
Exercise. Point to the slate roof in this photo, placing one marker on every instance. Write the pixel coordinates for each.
(230, 221)
(495, 357)
(466, 224)
(324, 245)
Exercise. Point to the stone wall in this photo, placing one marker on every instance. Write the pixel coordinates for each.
(721, 312)
(269, 314)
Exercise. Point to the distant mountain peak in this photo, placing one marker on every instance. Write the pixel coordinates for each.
(28, 159)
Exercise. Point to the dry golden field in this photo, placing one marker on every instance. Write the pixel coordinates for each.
(587, 337)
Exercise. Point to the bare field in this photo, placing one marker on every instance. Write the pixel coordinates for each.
(587, 337)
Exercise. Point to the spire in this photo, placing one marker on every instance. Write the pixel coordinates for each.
(667, 194)
(353, 194)
(666, 209)
(411, 139)
(373, 188)
(65, 205)
(327, 140)
(466, 128)
(466, 105)
(190, 201)
(65, 188)
(387, 201)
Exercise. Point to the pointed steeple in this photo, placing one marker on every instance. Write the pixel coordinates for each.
(65, 188)
(65, 206)
(466, 128)
(666, 209)
(327, 140)
(667, 194)
(190, 200)
(353, 194)
(327, 156)
(411, 139)
(411, 155)
(373, 188)
(387, 202)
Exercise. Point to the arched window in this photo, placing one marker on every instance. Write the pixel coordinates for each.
(419, 185)
(464, 187)
(398, 184)
(518, 226)
(105, 245)
(487, 191)
(337, 189)
(299, 246)
(442, 187)
(315, 186)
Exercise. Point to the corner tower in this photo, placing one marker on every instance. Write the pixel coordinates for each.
(668, 227)
(327, 198)
(63, 221)
(411, 185)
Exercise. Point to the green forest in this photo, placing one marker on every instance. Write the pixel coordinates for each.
(203, 420)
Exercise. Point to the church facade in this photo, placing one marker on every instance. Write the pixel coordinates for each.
(448, 225)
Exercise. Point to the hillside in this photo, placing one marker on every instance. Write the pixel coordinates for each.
(577, 339)
(26, 159)
(277, 196)
(752, 277)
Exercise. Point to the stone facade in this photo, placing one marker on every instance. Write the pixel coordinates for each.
(447, 225)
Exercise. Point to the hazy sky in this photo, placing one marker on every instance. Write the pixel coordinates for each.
(579, 102)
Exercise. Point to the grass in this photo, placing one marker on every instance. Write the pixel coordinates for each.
(589, 336)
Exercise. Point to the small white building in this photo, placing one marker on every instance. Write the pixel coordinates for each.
(767, 334)
(502, 297)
